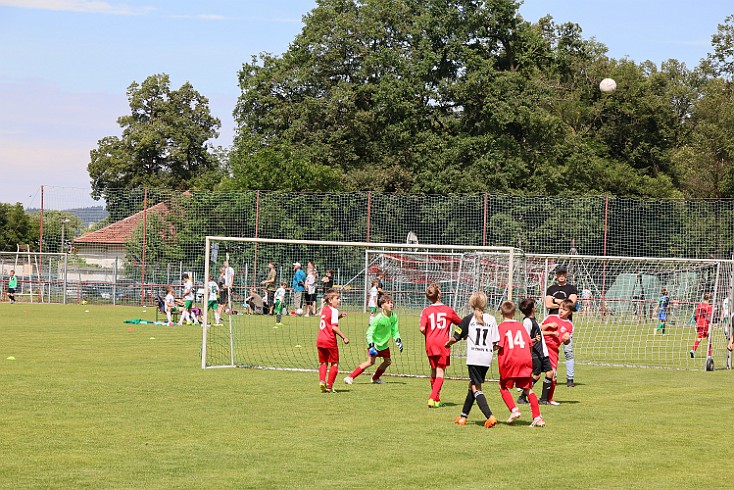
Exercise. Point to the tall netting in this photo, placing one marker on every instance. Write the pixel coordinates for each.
(254, 340)
(619, 303)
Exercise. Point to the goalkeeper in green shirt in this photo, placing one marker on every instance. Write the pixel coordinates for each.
(12, 286)
(382, 328)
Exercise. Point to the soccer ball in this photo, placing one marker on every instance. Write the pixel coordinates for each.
(84, 302)
(608, 85)
(299, 312)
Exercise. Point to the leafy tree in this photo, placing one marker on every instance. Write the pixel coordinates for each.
(52, 228)
(163, 143)
(15, 228)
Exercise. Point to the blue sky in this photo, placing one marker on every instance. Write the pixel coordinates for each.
(65, 64)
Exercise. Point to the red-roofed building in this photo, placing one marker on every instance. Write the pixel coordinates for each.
(107, 245)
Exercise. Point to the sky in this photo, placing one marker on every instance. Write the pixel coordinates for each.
(65, 65)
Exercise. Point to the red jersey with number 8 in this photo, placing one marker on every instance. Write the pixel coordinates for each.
(436, 319)
(514, 355)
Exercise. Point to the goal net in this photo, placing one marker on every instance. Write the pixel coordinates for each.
(254, 340)
(619, 305)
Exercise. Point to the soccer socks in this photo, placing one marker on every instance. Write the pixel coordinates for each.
(184, 317)
(277, 318)
(507, 398)
(322, 372)
(482, 402)
(436, 393)
(217, 318)
(547, 382)
(552, 390)
(534, 407)
(378, 373)
(695, 345)
(168, 316)
(356, 372)
(468, 402)
(332, 375)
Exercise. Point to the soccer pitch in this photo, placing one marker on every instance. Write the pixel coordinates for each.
(91, 402)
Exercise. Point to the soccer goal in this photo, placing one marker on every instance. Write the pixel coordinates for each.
(40, 277)
(619, 304)
(254, 340)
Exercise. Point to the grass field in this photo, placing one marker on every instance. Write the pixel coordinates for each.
(90, 402)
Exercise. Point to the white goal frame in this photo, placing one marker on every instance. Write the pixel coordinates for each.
(511, 252)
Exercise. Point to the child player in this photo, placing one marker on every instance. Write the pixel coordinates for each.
(12, 286)
(381, 329)
(279, 299)
(372, 302)
(326, 340)
(557, 330)
(541, 363)
(170, 305)
(480, 332)
(188, 296)
(435, 323)
(662, 311)
(212, 302)
(516, 364)
(703, 314)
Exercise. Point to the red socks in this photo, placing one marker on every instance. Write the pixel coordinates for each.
(332, 375)
(356, 372)
(534, 408)
(322, 372)
(507, 398)
(437, 383)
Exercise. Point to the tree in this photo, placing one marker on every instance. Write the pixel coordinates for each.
(15, 228)
(163, 143)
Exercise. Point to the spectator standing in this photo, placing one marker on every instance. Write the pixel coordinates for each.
(298, 284)
(554, 296)
(271, 286)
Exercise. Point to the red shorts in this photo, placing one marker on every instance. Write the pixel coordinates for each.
(439, 361)
(329, 355)
(553, 358)
(523, 383)
(381, 353)
(703, 332)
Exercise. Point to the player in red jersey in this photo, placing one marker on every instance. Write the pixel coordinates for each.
(326, 340)
(557, 330)
(704, 312)
(516, 364)
(434, 325)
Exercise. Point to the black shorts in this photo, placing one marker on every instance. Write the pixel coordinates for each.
(477, 374)
(541, 365)
(310, 298)
(11, 290)
(223, 296)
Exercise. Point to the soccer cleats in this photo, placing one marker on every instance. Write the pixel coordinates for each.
(434, 403)
(569, 383)
(377, 381)
(491, 422)
(522, 400)
(323, 387)
(513, 417)
(460, 420)
(349, 380)
(538, 422)
(693, 354)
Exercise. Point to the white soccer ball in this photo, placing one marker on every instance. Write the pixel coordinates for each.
(299, 312)
(608, 85)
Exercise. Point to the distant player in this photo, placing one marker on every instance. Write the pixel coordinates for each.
(541, 362)
(479, 329)
(516, 364)
(557, 330)
(326, 341)
(372, 301)
(188, 296)
(12, 286)
(663, 304)
(279, 303)
(170, 305)
(383, 327)
(703, 314)
(435, 324)
(213, 289)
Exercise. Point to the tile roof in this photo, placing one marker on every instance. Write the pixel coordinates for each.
(120, 231)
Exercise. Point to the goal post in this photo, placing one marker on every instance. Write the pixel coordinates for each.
(254, 340)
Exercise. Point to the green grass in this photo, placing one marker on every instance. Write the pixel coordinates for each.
(88, 403)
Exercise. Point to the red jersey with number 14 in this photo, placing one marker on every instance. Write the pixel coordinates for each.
(329, 320)
(436, 320)
(514, 355)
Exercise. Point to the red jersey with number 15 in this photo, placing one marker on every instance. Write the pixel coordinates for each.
(514, 355)
(436, 320)
(329, 320)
